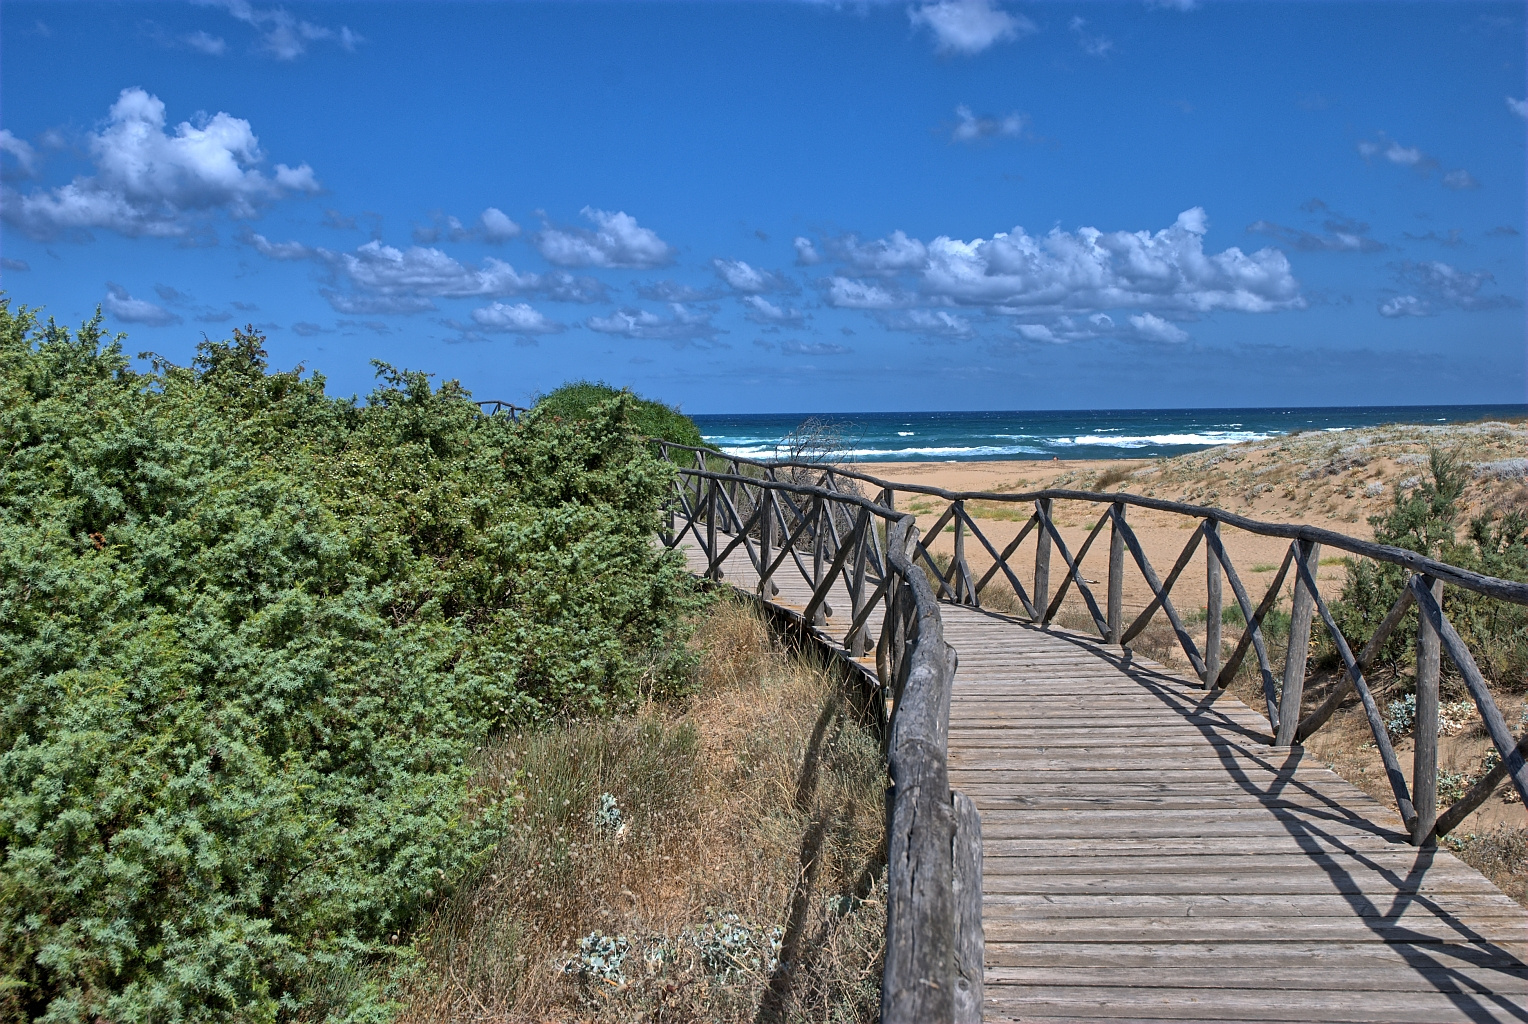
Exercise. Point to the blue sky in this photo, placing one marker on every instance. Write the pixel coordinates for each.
(740, 207)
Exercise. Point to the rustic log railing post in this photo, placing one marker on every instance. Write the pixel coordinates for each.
(1212, 603)
(1116, 573)
(1424, 758)
(919, 984)
(970, 945)
(766, 532)
(855, 640)
(1042, 558)
(958, 563)
(714, 569)
(1300, 613)
(820, 512)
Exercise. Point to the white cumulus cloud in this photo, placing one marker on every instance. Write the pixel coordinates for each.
(1518, 107)
(848, 293)
(806, 253)
(519, 318)
(748, 279)
(149, 181)
(1404, 305)
(969, 26)
(122, 306)
(761, 311)
(496, 226)
(892, 255)
(1095, 270)
(616, 241)
(1154, 328)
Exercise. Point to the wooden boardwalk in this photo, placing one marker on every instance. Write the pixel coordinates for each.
(1146, 860)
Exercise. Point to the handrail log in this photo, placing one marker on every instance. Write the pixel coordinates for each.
(1490, 586)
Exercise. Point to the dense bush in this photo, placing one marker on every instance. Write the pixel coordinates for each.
(1425, 519)
(577, 400)
(250, 637)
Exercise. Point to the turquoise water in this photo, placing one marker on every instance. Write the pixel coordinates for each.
(1098, 434)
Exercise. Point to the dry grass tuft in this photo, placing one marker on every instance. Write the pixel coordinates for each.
(721, 862)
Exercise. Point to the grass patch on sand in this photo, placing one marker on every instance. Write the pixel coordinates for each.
(723, 861)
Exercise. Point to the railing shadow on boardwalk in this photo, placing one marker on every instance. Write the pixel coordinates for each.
(1427, 957)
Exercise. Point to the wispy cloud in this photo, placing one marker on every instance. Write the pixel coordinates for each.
(122, 306)
(970, 128)
(283, 35)
(1388, 149)
(1092, 45)
(1434, 286)
(204, 42)
(492, 225)
(796, 347)
(746, 279)
(682, 327)
(968, 27)
(928, 323)
(1339, 233)
(761, 311)
(378, 278)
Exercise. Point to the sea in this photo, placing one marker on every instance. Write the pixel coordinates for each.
(1069, 434)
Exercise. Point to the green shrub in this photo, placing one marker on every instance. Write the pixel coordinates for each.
(577, 400)
(250, 637)
(1425, 519)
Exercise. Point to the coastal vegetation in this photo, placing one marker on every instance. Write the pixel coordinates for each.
(254, 644)
(716, 860)
(579, 400)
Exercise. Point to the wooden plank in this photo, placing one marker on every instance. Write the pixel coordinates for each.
(1038, 906)
(1295, 977)
(1238, 955)
(1502, 932)
(1251, 1005)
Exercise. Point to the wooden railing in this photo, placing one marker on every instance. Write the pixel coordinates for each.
(1282, 687)
(494, 407)
(839, 541)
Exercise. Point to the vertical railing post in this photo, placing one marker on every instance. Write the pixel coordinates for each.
(1116, 613)
(819, 540)
(959, 562)
(1212, 605)
(766, 534)
(1042, 558)
(713, 564)
(1300, 612)
(1424, 758)
(855, 641)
